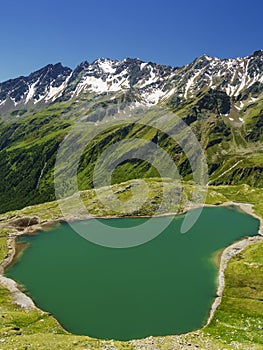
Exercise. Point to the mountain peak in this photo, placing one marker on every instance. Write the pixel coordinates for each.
(207, 57)
(257, 53)
(201, 61)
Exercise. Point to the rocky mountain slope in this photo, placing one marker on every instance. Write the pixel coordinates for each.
(239, 79)
(220, 100)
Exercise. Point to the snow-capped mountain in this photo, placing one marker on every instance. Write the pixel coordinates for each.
(232, 76)
(43, 85)
(105, 75)
(239, 78)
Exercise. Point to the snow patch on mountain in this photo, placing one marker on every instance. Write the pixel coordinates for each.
(55, 92)
(31, 91)
(144, 64)
(106, 66)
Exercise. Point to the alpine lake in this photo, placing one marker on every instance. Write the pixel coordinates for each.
(163, 287)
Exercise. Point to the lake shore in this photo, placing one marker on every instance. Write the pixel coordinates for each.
(24, 301)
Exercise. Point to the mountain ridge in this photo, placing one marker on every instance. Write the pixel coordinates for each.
(153, 83)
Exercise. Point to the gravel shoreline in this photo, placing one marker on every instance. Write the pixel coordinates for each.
(232, 250)
(26, 302)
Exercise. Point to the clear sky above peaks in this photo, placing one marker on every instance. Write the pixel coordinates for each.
(35, 33)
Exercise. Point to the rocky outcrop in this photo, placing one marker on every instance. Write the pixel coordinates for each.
(25, 221)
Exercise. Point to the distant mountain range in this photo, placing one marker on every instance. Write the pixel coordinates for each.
(221, 100)
(151, 83)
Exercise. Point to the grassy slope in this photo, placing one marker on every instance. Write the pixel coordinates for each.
(237, 323)
(240, 316)
(28, 149)
(27, 146)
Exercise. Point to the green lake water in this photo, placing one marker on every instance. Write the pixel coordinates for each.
(163, 287)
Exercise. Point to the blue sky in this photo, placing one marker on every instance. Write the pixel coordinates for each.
(35, 33)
